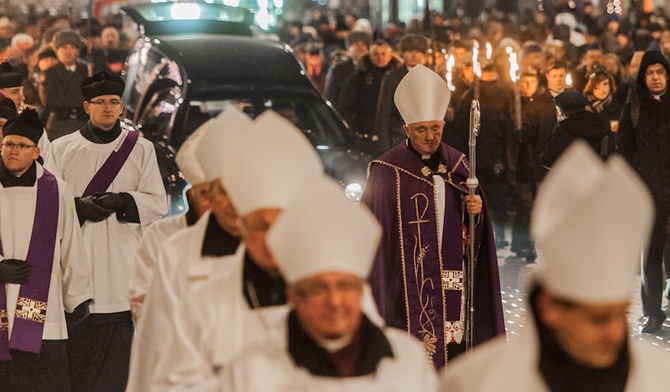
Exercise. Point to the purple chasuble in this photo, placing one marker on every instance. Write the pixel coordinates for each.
(31, 306)
(108, 171)
(417, 278)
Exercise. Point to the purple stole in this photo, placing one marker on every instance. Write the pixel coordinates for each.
(108, 171)
(31, 306)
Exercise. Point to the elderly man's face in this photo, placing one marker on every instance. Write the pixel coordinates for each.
(327, 305)
(425, 136)
(593, 335)
(255, 226)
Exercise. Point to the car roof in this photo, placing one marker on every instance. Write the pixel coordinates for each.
(192, 16)
(228, 59)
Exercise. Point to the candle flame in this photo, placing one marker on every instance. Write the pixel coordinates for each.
(489, 51)
(450, 68)
(568, 80)
(476, 67)
(513, 64)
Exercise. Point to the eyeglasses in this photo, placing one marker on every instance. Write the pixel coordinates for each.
(322, 289)
(21, 147)
(102, 102)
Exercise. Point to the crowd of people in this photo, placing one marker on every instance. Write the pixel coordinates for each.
(273, 280)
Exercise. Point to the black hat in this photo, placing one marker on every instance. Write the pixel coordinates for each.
(7, 108)
(413, 42)
(48, 52)
(571, 100)
(27, 124)
(9, 76)
(102, 83)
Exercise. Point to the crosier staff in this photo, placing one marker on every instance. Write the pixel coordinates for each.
(472, 183)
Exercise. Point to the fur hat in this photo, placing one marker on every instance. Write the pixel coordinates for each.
(102, 83)
(413, 42)
(27, 124)
(358, 36)
(67, 37)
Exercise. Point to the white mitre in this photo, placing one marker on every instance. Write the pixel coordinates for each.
(422, 95)
(321, 230)
(187, 158)
(219, 135)
(591, 222)
(268, 163)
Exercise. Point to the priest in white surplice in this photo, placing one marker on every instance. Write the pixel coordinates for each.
(325, 246)
(43, 267)
(114, 176)
(189, 257)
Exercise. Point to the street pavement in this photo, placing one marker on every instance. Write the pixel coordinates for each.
(515, 304)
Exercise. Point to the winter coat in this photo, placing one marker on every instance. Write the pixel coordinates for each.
(644, 132)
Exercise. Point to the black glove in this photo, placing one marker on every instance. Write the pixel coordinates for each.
(80, 313)
(111, 201)
(14, 271)
(87, 209)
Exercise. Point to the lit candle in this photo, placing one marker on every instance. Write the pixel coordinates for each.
(514, 76)
(489, 51)
(568, 80)
(450, 70)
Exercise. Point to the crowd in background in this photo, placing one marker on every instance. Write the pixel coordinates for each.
(597, 54)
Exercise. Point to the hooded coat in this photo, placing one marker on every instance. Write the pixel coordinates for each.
(644, 132)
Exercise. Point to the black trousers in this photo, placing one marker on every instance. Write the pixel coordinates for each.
(99, 353)
(44, 372)
(652, 267)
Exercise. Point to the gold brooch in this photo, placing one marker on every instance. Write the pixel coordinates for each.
(426, 171)
(441, 169)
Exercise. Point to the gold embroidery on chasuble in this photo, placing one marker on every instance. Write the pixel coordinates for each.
(4, 320)
(30, 309)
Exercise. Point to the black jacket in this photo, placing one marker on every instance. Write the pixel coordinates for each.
(588, 126)
(644, 132)
(539, 121)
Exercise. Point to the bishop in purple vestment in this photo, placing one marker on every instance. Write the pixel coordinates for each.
(417, 191)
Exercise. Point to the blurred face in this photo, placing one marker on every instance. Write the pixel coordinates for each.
(104, 110)
(255, 226)
(223, 210)
(327, 305)
(592, 57)
(199, 198)
(109, 37)
(46, 63)
(556, 78)
(528, 85)
(357, 49)
(611, 65)
(535, 60)
(425, 136)
(380, 55)
(67, 54)
(16, 95)
(656, 79)
(602, 89)
(413, 57)
(459, 54)
(18, 153)
(593, 335)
